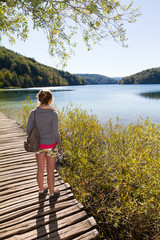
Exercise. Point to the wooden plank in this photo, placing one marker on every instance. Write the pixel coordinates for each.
(89, 235)
(51, 219)
(21, 151)
(7, 184)
(19, 171)
(12, 154)
(42, 207)
(22, 203)
(27, 183)
(22, 187)
(30, 191)
(39, 210)
(5, 153)
(19, 177)
(19, 188)
(17, 180)
(8, 125)
(66, 233)
(18, 158)
(5, 131)
(11, 176)
(9, 136)
(15, 168)
(11, 147)
(15, 149)
(59, 215)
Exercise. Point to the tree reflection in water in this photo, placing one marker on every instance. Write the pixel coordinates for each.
(151, 95)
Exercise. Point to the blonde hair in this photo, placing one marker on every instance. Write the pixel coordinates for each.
(44, 96)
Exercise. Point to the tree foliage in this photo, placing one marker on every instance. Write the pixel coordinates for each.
(19, 71)
(62, 19)
(149, 76)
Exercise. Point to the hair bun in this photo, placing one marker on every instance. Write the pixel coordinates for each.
(44, 96)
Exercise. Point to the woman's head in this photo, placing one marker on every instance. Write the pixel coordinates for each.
(45, 97)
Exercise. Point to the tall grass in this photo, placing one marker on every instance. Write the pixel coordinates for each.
(114, 171)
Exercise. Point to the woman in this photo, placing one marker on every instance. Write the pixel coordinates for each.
(47, 125)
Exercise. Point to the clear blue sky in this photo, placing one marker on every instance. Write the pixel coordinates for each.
(109, 58)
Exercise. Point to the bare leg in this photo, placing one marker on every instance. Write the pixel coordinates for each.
(41, 161)
(51, 161)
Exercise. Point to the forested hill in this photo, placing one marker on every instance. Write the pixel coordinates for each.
(97, 79)
(149, 76)
(19, 71)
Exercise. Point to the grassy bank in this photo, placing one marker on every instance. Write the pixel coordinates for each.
(113, 170)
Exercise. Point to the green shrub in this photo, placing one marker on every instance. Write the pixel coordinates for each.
(24, 112)
(114, 171)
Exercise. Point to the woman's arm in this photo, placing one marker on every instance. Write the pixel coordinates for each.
(30, 123)
(55, 128)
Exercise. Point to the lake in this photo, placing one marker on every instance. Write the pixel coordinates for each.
(107, 101)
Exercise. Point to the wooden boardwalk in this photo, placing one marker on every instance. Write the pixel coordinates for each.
(22, 216)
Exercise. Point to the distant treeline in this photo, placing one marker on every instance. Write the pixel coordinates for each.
(149, 76)
(19, 71)
(97, 79)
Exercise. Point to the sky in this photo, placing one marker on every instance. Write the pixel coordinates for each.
(108, 58)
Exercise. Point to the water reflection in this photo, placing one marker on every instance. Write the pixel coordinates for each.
(20, 95)
(16, 95)
(151, 95)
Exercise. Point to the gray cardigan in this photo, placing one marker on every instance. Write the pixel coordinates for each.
(47, 125)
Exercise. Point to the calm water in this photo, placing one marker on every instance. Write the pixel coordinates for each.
(107, 101)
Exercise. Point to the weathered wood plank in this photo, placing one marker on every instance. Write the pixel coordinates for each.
(18, 189)
(19, 171)
(37, 210)
(51, 219)
(6, 170)
(18, 158)
(42, 209)
(19, 177)
(9, 183)
(20, 203)
(17, 180)
(89, 235)
(4, 132)
(67, 233)
(29, 191)
(28, 183)
(59, 215)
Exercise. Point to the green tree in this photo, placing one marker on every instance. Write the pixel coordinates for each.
(1, 79)
(27, 81)
(15, 82)
(60, 19)
(7, 79)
